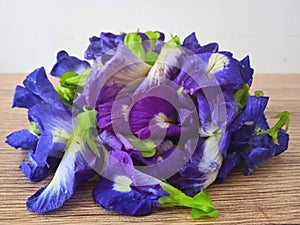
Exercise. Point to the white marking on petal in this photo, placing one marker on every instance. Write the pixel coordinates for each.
(167, 58)
(211, 161)
(122, 184)
(216, 63)
(162, 120)
(125, 111)
(60, 135)
(249, 123)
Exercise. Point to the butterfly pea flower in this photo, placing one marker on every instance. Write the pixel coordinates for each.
(22, 139)
(125, 190)
(121, 192)
(77, 165)
(192, 44)
(157, 121)
(210, 69)
(52, 121)
(66, 63)
(252, 141)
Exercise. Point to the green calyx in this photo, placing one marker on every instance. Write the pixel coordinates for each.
(34, 129)
(284, 120)
(201, 204)
(70, 84)
(146, 147)
(134, 43)
(86, 125)
(241, 96)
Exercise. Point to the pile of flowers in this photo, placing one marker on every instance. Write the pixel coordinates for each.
(154, 121)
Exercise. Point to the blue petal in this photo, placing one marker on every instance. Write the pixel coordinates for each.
(230, 162)
(123, 68)
(99, 46)
(191, 43)
(32, 170)
(72, 170)
(133, 203)
(22, 139)
(38, 83)
(247, 71)
(121, 195)
(256, 157)
(66, 63)
(24, 98)
(55, 126)
(252, 113)
(37, 90)
(283, 141)
(202, 168)
(213, 69)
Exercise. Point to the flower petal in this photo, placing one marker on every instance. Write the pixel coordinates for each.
(102, 45)
(72, 170)
(55, 126)
(138, 201)
(32, 170)
(117, 192)
(191, 43)
(22, 139)
(202, 168)
(123, 68)
(38, 83)
(66, 63)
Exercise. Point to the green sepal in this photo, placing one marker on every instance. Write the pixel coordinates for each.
(146, 147)
(258, 93)
(66, 94)
(180, 90)
(86, 124)
(70, 83)
(241, 96)
(174, 42)
(201, 204)
(133, 41)
(284, 120)
(34, 129)
(153, 37)
(150, 58)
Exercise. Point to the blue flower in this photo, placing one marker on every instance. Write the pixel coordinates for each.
(247, 144)
(191, 43)
(213, 70)
(202, 168)
(37, 90)
(120, 191)
(103, 46)
(66, 63)
(72, 171)
(52, 118)
(22, 139)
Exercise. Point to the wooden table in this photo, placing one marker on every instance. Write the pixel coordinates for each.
(271, 195)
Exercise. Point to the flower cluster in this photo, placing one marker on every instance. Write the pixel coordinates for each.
(155, 121)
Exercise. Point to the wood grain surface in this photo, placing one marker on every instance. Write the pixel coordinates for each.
(271, 195)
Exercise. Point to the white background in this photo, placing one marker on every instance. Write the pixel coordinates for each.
(32, 31)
